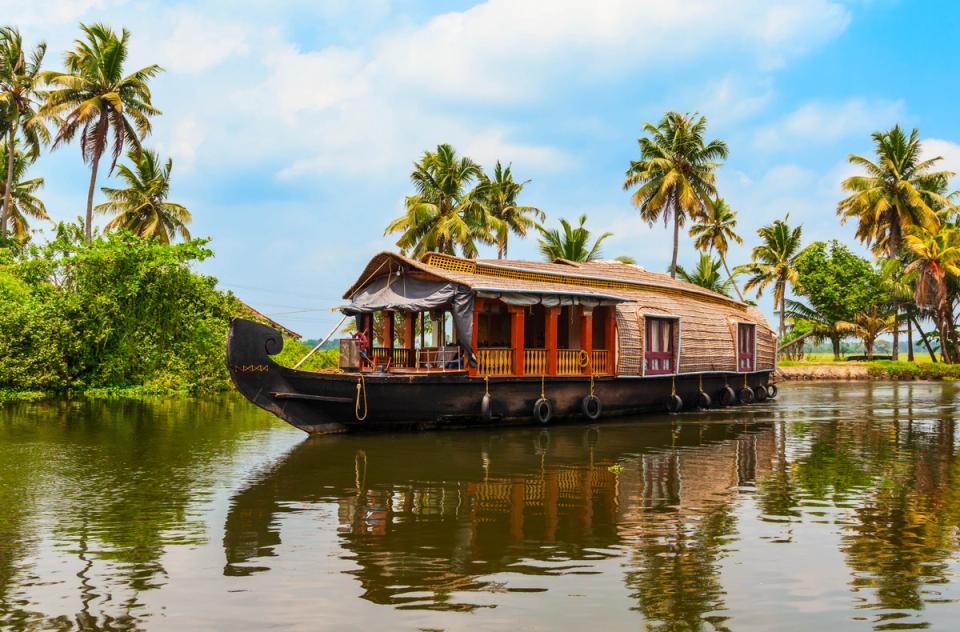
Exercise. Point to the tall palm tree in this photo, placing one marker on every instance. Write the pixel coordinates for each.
(899, 190)
(499, 195)
(445, 213)
(936, 260)
(714, 230)
(569, 242)
(675, 176)
(23, 201)
(19, 95)
(95, 98)
(773, 263)
(142, 206)
(869, 324)
(707, 275)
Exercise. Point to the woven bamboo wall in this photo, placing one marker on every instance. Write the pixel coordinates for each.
(629, 343)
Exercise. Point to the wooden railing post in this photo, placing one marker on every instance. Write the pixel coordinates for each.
(610, 338)
(551, 314)
(586, 338)
(516, 337)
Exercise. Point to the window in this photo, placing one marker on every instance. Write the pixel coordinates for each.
(746, 335)
(659, 356)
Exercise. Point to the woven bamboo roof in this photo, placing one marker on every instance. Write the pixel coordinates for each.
(603, 279)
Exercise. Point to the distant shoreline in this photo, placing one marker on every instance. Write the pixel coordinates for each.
(863, 371)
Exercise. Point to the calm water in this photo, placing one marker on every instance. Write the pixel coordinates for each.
(837, 506)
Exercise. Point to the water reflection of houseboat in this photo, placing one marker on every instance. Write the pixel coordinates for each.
(413, 522)
(514, 341)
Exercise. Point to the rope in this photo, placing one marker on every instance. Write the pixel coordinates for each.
(744, 380)
(584, 358)
(542, 392)
(361, 387)
(486, 384)
(701, 382)
(673, 386)
(591, 385)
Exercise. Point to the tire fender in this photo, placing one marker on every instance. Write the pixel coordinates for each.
(746, 395)
(486, 407)
(591, 407)
(727, 396)
(543, 410)
(673, 404)
(704, 400)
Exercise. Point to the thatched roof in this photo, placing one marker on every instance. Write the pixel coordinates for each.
(604, 279)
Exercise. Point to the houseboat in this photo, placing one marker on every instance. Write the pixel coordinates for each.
(447, 341)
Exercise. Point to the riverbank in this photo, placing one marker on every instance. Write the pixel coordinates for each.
(876, 370)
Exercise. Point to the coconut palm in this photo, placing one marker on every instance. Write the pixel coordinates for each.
(627, 259)
(899, 190)
(499, 195)
(706, 275)
(23, 202)
(674, 178)
(773, 263)
(869, 324)
(19, 96)
(569, 242)
(936, 260)
(445, 213)
(95, 98)
(714, 230)
(821, 327)
(142, 206)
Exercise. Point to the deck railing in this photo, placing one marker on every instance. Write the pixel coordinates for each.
(568, 362)
(496, 361)
(535, 361)
(438, 358)
(601, 362)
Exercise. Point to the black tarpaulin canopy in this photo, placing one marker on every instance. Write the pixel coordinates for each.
(400, 293)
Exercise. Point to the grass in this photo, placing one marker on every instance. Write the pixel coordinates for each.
(827, 358)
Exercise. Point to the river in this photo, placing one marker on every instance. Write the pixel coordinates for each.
(835, 507)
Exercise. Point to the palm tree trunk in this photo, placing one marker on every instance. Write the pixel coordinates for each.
(923, 337)
(8, 185)
(783, 311)
(868, 343)
(88, 228)
(723, 260)
(895, 354)
(835, 342)
(910, 357)
(676, 242)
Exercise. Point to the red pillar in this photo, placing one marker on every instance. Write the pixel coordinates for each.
(475, 330)
(586, 338)
(610, 338)
(551, 314)
(388, 329)
(516, 337)
(409, 319)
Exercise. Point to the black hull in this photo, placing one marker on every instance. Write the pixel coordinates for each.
(322, 403)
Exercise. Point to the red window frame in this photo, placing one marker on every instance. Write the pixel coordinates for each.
(746, 344)
(656, 359)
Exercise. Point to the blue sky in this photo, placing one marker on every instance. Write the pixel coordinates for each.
(293, 125)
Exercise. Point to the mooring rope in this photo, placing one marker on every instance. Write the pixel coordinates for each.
(542, 392)
(673, 386)
(361, 388)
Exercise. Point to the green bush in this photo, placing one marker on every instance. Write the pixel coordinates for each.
(119, 311)
(888, 369)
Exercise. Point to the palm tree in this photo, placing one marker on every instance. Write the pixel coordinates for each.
(499, 195)
(445, 213)
(936, 259)
(571, 243)
(95, 98)
(23, 201)
(821, 327)
(869, 324)
(675, 176)
(19, 92)
(707, 275)
(142, 206)
(773, 263)
(898, 191)
(714, 230)
(627, 259)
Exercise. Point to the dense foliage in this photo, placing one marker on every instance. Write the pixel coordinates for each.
(119, 310)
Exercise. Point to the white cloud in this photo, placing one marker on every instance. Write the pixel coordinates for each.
(949, 151)
(822, 122)
(195, 43)
(506, 51)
